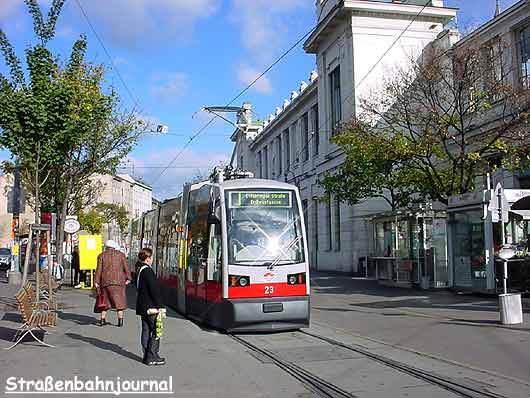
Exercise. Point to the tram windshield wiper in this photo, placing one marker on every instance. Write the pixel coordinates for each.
(287, 247)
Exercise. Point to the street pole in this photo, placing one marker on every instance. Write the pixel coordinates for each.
(503, 234)
(15, 277)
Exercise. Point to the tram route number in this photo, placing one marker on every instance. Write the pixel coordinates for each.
(269, 289)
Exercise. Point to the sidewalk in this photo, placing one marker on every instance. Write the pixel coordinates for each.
(196, 358)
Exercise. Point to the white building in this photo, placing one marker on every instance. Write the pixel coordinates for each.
(122, 189)
(356, 43)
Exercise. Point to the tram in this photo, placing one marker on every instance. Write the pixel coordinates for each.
(231, 252)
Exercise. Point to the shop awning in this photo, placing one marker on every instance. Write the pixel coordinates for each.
(521, 204)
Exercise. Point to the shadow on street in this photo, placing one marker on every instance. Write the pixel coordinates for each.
(105, 345)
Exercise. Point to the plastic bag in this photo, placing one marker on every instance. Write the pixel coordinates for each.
(159, 325)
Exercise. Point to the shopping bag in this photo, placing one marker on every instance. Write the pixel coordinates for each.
(100, 304)
(159, 325)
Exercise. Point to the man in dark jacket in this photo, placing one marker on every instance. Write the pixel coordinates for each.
(148, 304)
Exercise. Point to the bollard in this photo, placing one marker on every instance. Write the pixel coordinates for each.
(511, 308)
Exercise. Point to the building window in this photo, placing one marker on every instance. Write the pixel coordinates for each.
(280, 155)
(336, 103)
(329, 229)
(304, 210)
(305, 137)
(258, 161)
(315, 130)
(315, 222)
(287, 149)
(294, 144)
(524, 48)
(265, 163)
(336, 222)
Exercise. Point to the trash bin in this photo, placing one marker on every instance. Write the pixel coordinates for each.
(511, 308)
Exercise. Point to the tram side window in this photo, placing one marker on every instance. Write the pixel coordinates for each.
(215, 254)
(198, 229)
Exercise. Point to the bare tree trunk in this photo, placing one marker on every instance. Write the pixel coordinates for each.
(37, 221)
(62, 219)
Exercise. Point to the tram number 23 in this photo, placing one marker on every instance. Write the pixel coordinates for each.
(269, 289)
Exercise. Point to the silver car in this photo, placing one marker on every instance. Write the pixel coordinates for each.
(5, 258)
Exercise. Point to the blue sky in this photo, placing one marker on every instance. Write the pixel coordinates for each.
(176, 56)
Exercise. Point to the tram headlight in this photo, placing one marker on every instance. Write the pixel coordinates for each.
(238, 281)
(296, 279)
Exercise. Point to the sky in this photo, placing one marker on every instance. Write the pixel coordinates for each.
(169, 58)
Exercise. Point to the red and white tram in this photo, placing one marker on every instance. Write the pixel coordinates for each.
(231, 252)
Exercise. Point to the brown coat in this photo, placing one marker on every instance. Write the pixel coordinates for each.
(112, 269)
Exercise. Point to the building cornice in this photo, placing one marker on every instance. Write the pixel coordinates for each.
(293, 106)
(346, 8)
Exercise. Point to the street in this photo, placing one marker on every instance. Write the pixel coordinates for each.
(453, 337)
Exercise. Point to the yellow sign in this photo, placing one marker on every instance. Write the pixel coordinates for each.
(14, 250)
(90, 246)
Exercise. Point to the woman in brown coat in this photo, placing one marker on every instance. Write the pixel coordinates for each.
(112, 275)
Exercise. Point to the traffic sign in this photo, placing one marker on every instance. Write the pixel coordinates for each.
(71, 226)
(499, 205)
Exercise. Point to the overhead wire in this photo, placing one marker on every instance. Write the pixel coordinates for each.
(268, 69)
(114, 67)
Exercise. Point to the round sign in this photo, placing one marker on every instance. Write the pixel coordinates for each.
(71, 226)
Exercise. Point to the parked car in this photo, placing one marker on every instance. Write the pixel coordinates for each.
(5, 258)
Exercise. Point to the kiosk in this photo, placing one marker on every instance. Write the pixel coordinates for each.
(475, 239)
(90, 247)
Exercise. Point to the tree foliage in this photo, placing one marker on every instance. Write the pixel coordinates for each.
(61, 120)
(434, 127)
(91, 220)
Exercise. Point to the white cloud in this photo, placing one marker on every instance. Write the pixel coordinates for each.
(9, 8)
(264, 24)
(188, 166)
(169, 87)
(133, 23)
(246, 74)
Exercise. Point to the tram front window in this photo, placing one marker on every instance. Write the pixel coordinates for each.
(264, 228)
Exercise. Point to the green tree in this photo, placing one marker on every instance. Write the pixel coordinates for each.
(114, 213)
(372, 169)
(60, 122)
(32, 104)
(434, 127)
(91, 220)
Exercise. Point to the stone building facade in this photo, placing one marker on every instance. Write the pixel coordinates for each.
(356, 43)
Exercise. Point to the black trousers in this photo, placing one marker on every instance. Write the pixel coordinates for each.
(150, 344)
(79, 276)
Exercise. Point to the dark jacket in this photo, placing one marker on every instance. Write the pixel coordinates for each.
(148, 292)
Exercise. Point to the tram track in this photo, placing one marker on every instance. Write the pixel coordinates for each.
(327, 389)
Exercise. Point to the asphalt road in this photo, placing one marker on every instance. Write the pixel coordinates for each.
(438, 332)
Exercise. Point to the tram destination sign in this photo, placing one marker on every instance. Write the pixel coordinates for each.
(260, 199)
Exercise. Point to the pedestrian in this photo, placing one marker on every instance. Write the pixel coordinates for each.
(148, 305)
(76, 267)
(112, 276)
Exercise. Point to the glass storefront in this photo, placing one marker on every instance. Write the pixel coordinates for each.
(411, 249)
(468, 248)
(476, 237)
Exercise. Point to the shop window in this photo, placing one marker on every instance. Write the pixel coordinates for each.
(468, 247)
